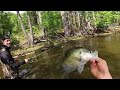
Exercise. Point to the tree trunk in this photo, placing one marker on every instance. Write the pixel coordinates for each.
(23, 28)
(83, 23)
(86, 23)
(78, 22)
(40, 21)
(39, 16)
(31, 31)
(94, 19)
(78, 18)
(72, 23)
(65, 24)
(33, 16)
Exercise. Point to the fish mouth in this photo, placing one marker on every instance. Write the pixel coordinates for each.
(88, 55)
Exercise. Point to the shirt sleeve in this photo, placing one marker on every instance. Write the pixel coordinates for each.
(10, 61)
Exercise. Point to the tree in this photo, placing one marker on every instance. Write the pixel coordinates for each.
(51, 20)
(39, 20)
(65, 24)
(33, 15)
(23, 28)
(31, 31)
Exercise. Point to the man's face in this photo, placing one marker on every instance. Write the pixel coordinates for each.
(7, 42)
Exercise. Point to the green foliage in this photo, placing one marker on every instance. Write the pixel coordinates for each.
(15, 23)
(52, 21)
(36, 31)
(105, 18)
(5, 24)
(14, 40)
(33, 16)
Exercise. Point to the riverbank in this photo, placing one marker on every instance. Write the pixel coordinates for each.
(43, 46)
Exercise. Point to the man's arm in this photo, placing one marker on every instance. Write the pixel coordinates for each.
(10, 61)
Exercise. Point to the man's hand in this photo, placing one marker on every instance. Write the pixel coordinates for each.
(15, 57)
(99, 69)
(26, 60)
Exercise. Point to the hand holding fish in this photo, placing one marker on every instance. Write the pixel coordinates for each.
(99, 69)
(77, 58)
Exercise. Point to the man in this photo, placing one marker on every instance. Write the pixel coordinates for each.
(9, 66)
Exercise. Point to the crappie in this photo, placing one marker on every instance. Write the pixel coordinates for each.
(77, 58)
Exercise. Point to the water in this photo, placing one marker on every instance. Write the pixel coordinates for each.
(48, 65)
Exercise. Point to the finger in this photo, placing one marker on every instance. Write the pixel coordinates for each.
(99, 60)
(94, 69)
(102, 65)
(93, 65)
(92, 60)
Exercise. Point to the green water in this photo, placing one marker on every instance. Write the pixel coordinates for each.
(48, 64)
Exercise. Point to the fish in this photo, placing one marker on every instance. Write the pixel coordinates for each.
(75, 59)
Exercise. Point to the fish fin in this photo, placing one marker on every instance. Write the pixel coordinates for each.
(80, 68)
(68, 68)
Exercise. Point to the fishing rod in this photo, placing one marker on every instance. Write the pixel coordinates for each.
(24, 72)
(27, 70)
(30, 60)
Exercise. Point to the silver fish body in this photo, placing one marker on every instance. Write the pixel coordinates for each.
(77, 58)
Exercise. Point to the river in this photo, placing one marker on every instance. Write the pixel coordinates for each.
(48, 63)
